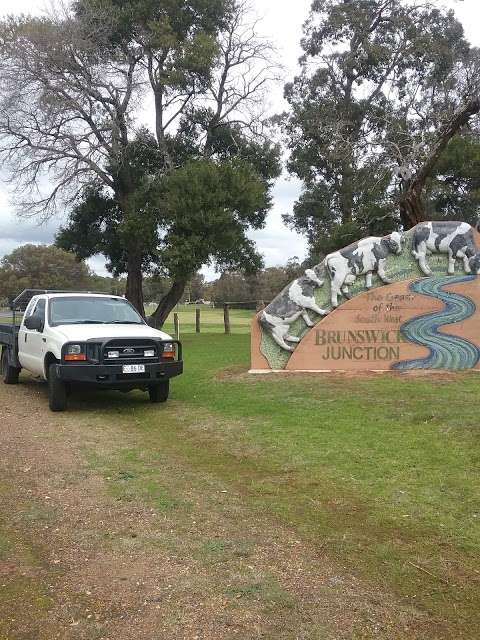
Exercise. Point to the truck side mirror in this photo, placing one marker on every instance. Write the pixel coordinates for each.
(34, 323)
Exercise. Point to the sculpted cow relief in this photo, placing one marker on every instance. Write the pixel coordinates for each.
(293, 302)
(364, 257)
(455, 239)
(430, 249)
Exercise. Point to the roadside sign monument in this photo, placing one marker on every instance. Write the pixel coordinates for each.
(404, 301)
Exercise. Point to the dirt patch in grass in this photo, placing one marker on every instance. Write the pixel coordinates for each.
(237, 372)
(240, 373)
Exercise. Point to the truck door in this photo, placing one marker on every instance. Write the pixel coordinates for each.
(31, 343)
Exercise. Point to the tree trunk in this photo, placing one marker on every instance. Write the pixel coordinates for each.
(167, 303)
(412, 208)
(134, 289)
(124, 194)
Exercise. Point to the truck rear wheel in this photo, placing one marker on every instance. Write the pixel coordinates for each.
(9, 374)
(159, 392)
(57, 390)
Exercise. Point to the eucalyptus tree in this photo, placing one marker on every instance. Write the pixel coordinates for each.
(423, 135)
(78, 85)
(366, 65)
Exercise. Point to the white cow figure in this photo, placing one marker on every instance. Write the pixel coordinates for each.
(290, 304)
(453, 238)
(364, 257)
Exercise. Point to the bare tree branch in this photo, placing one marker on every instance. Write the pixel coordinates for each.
(64, 110)
(246, 68)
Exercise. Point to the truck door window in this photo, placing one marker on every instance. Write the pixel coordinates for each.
(30, 307)
(39, 311)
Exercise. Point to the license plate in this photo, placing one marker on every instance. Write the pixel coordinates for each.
(133, 368)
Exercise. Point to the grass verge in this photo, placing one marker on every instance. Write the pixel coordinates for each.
(382, 472)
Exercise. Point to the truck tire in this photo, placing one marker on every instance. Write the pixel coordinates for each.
(9, 374)
(159, 392)
(57, 390)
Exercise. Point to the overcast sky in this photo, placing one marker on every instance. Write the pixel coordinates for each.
(282, 23)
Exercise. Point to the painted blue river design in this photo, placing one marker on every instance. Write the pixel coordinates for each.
(446, 351)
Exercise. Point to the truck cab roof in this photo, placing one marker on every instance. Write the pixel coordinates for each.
(21, 302)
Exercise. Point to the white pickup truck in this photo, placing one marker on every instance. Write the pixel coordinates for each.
(77, 338)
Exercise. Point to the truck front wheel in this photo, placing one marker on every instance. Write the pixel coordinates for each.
(9, 374)
(57, 390)
(159, 392)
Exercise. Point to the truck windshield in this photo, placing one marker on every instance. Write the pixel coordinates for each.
(91, 310)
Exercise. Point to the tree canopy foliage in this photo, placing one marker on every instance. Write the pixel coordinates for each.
(380, 94)
(41, 267)
(454, 190)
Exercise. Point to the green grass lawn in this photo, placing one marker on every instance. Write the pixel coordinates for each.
(383, 472)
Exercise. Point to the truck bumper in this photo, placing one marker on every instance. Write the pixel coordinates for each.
(112, 377)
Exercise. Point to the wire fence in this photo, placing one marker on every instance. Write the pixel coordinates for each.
(226, 318)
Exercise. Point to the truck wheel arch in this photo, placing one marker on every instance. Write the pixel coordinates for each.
(9, 372)
(49, 359)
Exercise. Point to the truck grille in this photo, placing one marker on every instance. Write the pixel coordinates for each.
(130, 351)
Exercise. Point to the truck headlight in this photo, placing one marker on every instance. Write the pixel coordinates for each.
(75, 353)
(74, 349)
(169, 350)
(149, 353)
(113, 354)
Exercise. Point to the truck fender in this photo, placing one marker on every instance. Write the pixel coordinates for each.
(11, 355)
(49, 359)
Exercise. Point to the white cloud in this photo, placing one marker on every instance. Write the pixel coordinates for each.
(23, 231)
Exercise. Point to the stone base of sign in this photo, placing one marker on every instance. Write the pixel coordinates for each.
(414, 324)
